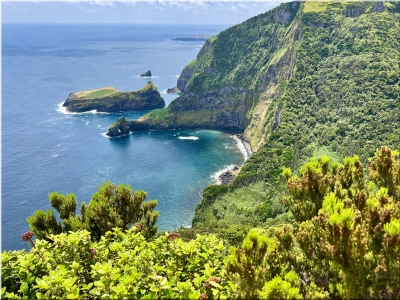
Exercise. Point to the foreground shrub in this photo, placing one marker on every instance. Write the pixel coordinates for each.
(121, 264)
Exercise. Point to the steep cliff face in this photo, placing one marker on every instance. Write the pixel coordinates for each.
(110, 100)
(331, 88)
(305, 79)
(224, 84)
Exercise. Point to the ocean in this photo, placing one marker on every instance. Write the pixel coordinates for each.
(45, 149)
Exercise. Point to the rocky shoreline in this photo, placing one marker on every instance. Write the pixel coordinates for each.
(228, 176)
(173, 90)
(246, 143)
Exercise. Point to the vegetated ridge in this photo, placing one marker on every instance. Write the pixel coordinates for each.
(336, 94)
(302, 80)
(109, 99)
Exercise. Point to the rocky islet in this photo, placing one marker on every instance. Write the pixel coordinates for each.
(110, 99)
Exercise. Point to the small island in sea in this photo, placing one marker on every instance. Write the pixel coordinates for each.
(146, 74)
(109, 99)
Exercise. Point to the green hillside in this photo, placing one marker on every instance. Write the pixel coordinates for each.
(314, 212)
(304, 79)
(345, 247)
(336, 94)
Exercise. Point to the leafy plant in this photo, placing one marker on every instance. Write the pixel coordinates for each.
(121, 265)
(111, 206)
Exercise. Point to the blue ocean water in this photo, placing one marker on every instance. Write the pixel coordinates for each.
(44, 149)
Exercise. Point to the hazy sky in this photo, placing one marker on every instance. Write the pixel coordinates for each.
(194, 11)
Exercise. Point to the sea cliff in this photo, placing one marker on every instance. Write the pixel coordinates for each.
(109, 99)
(306, 79)
(222, 87)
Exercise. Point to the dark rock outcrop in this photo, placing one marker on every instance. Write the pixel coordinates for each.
(146, 74)
(173, 90)
(354, 10)
(183, 79)
(379, 7)
(71, 97)
(277, 120)
(118, 128)
(111, 100)
(228, 176)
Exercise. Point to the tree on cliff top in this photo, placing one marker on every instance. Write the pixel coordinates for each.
(110, 207)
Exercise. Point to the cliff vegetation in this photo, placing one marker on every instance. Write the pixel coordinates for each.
(304, 79)
(345, 245)
(109, 99)
(314, 212)
(333, 90)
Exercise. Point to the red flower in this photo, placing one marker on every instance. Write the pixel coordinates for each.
(27, 236)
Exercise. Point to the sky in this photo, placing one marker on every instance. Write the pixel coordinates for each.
(131, 11)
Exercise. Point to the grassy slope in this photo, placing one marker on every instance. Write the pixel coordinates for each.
(96, 93)
(343, 99)
(100, 93)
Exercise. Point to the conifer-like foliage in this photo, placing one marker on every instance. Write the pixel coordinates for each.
(337, 94)
(350, 224)
(111, 207)
(346, 244)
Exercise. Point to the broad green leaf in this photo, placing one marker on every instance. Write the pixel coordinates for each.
(69, 282)
(74, 294)
(195, 295)
(149, 296)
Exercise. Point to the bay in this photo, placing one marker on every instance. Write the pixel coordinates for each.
(44, 149)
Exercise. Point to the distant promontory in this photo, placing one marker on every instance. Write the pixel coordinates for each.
(193, 38)
(109, 99)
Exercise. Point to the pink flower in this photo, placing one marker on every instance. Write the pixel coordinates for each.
(27, 236)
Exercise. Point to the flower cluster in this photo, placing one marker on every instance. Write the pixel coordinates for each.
(27, 236)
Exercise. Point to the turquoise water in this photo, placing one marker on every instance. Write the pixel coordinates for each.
(44, 149)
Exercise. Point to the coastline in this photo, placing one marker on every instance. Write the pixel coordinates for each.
(63, 110)
(243, 145)
(229, 173)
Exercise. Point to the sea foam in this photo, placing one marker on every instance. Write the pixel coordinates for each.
(194, 138)
(148, 77)
(216, 175)
(243, 148)
(62, 109)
